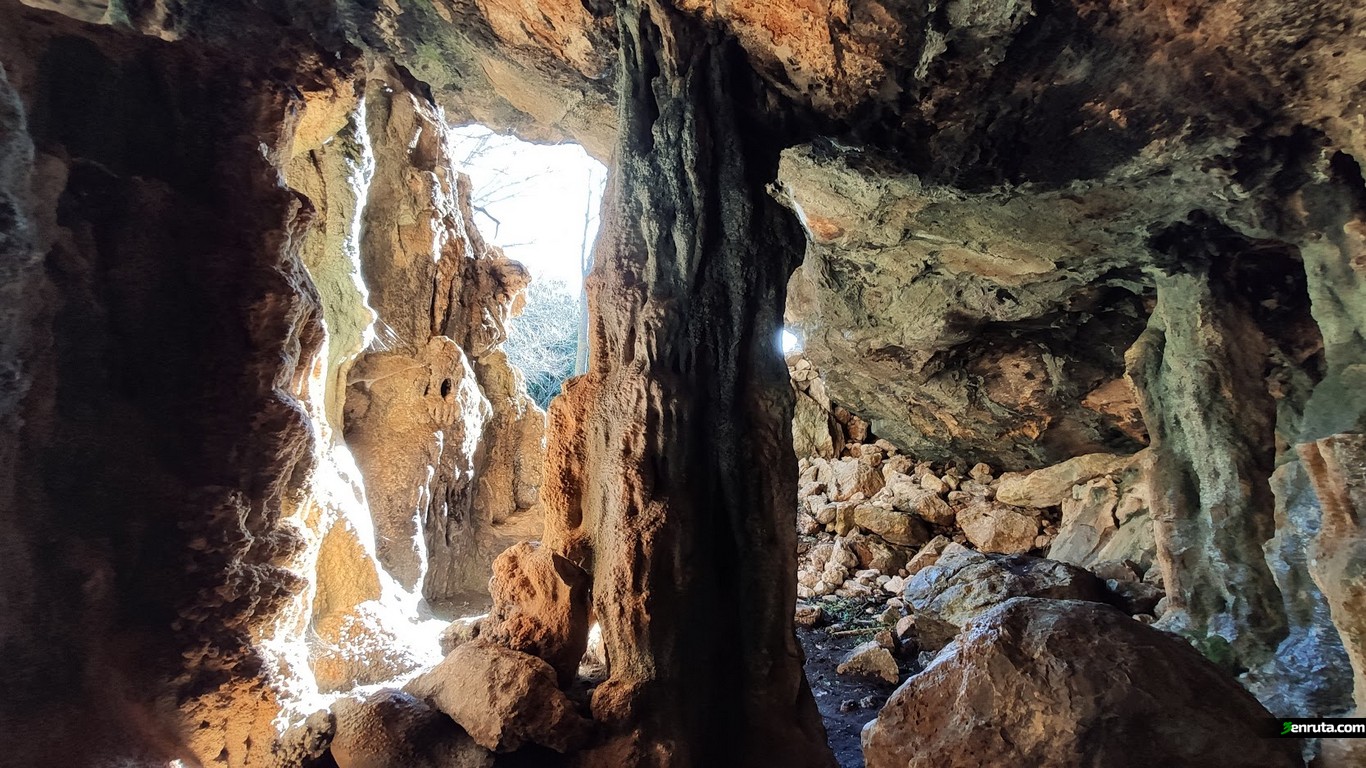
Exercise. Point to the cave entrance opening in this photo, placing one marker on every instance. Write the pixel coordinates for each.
(539, 203)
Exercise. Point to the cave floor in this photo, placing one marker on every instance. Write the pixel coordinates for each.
(846, 703)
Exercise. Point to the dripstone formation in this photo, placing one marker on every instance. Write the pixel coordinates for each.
(1081, 294)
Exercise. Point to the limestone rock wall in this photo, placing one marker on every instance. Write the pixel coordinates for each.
(191, 238)
(441, 426)
(152, 270)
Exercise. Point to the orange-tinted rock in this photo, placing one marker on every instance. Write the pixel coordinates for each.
(995, 527)
(540, 607)
(503, 698)
(392, 729)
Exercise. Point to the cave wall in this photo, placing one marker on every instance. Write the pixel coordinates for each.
(440, 424)
(154, 275)
(990, 193)
(191, 546)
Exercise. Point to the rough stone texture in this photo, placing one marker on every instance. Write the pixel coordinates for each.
(849, 477)
(1108, 519)
(158, 329)
(906, 495)
(928, 555)
(896, 527)
(1199, 371)
(359, 646)
(503, 698)
(870, 660)
(1070, 684)
(540, 607)
(995, 527)
(1000, 199)
(670, 475)
(1051, 486)
(447, 439)
(963, 584)
(393, 729)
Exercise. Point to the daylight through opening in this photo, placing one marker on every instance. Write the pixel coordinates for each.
(539, 203)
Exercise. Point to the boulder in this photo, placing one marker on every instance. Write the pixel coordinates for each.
(997, 528)
(1107, 518)
(896, 464)
(393, 729)
(851, 476)
(459, 632)
(925, 632)
(503, 698)
(1050, 486)
(1071, 684)
(808, 615)
(1134, 597)
(540, 607)
(896, 527)
(870, 659)
(964, 583)
(907, 495)
(877, 554)
(927, 556)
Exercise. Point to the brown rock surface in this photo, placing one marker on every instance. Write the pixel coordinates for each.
(503, 698)
(1066, 684)
(896, 527)
(392, 729)
(870, 660)
(433, 389)
(1051, 486)
(1108, 519)
(670, 474)
(540, 607)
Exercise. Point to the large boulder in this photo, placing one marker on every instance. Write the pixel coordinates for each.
(963, 583)
(540, 607)
(503, 698)
(393, 729)
(1050, 486)
(1071, 684)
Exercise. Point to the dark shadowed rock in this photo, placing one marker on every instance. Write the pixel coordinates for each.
(392, 729)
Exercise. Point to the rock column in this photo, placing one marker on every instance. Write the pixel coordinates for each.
(670, 473)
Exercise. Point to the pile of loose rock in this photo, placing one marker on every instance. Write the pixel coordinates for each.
(927, 546)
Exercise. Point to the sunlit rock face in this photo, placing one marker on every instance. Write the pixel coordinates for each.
(441, 426)
(251, 389)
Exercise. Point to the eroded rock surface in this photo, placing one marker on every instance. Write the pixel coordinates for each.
(1062, 684)
(503, 698)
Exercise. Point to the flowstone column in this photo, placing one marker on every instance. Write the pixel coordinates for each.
(670, 473)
